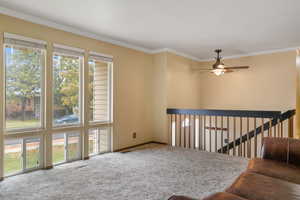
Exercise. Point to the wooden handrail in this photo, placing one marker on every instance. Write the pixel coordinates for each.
(229, 113)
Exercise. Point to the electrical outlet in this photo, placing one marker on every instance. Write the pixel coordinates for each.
(134, 135)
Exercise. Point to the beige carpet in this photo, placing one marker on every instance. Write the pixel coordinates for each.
(155, 173)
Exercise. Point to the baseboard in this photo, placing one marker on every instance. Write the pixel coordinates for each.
(49, 167)
(137, 145)
(159, 143)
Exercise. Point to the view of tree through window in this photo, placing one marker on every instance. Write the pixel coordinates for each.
(66, 89)
(23, 67)
(26, 114)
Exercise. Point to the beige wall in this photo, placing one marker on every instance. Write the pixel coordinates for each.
(269, 84)
(160, 97)
(183, 84)
(132, 78)
(176, 86)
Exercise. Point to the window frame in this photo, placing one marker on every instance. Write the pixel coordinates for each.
(110, 94)
(80, 99)
(24, 168)
(66, 150)
(109, 140)
(7, 131)
(47, 128)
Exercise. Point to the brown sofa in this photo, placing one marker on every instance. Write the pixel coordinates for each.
(276, 176)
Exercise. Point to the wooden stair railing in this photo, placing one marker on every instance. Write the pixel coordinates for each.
(222, 131)
(248, 136)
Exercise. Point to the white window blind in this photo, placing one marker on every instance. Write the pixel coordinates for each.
(100, 57)
(100, 80)
(17, 40)
(66, 50)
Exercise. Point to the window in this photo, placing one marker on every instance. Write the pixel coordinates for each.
(24, 65)
(66, 147)
(58, 148)
(100, 88)
(99, 141)
(22, 155)
(12, 156)
(25, 116)
(66, 86)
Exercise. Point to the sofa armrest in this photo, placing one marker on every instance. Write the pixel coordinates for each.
(281, 149)
(175, 197)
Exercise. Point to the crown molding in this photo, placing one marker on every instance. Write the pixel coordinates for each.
(45, 22)
(41, 21)
(257, 53)
(177, 53)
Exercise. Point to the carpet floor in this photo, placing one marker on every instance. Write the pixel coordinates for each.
(153, 173)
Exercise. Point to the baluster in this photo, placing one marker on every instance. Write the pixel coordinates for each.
(275, 132)
(222, 138)
(228, 135)
(170, 129)
(234, 134)
(244, 147)
(262, 132)
(180, 126)
(174, 129)
(291, 127)
(194, 132)
(209, 133)
(281, 129)
(189, 134)
(270, 127)
(204, 131)
(248, 140)
(216, 136)
(184, 131)
(255, 139)
(180, 131)
(278, 127)
(200, 132)
(241, 134)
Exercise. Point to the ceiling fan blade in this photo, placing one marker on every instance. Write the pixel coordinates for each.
(228, 70)
(237, 67)
(202, 69)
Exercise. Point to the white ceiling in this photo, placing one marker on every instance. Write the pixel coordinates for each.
(192, 27)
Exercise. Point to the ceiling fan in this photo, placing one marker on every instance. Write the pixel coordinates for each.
(219, 68)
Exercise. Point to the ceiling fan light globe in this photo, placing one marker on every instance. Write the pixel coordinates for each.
(219, 72)
(221, 66)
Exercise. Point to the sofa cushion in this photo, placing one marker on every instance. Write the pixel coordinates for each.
(223, 196)
(275, 169)
(294, 151)
(260, 187)
(275, 149)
